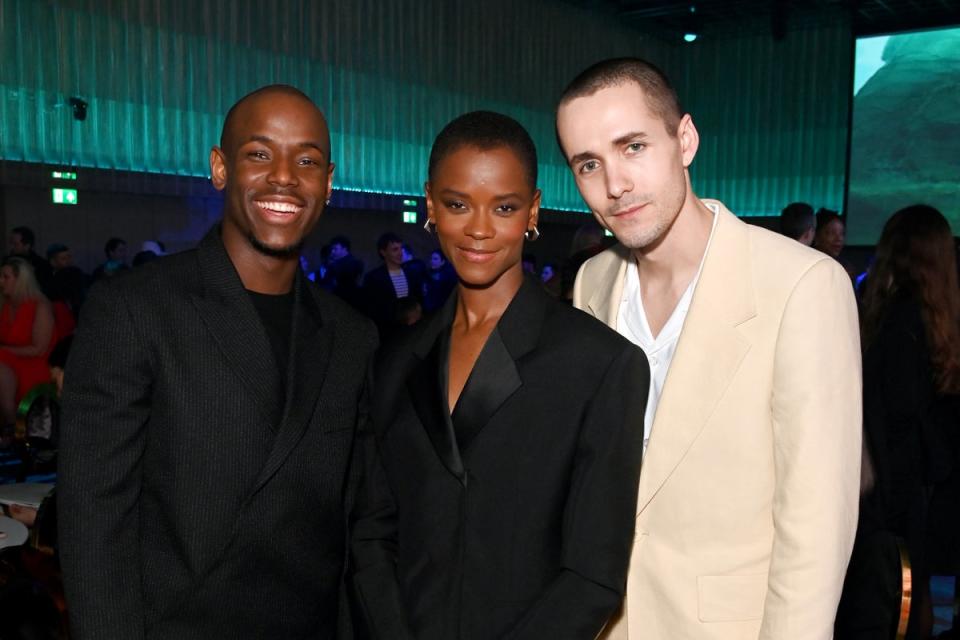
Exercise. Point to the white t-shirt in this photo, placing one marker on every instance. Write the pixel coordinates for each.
(632, 324)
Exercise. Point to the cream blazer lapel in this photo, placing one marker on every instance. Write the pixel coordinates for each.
(603, 300)
(709, 351)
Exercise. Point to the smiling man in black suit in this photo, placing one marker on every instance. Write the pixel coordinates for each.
(211, 404)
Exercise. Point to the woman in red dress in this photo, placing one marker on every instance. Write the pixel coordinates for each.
(26, 336)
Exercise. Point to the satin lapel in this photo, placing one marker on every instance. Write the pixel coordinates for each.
(308, 362)
(232, 320)
(427, 387)
(604, 302)
(709, 352)
(495, 376)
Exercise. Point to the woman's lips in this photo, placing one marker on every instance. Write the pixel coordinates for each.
(478, 256)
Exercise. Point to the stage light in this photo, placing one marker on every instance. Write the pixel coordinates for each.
(689, 37)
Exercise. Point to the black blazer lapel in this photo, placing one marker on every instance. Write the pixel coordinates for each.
(495, 376)
(427, 386)
(308, 362)
(233, 322)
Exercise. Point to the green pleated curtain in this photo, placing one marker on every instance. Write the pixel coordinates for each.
(158, 76)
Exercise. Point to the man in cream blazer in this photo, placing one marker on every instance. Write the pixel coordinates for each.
(747, 502)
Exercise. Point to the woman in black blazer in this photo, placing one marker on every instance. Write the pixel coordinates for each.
(500, 491)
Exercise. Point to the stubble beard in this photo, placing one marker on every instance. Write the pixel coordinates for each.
(283, 253)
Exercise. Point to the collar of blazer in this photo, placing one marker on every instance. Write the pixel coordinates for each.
(710, 348)
(494, 378)
(235, 326)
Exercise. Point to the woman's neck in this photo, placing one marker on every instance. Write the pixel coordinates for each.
(481, 306)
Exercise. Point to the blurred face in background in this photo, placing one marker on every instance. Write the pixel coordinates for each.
(61, 260)
(393, 255)
(831, 238)
(17, 245)
(8, 281)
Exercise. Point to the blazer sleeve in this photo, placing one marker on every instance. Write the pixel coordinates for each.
(373, 550)
(600, 513)
(817, 430)
(106, 408)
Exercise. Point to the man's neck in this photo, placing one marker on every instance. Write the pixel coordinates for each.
(258, 272)
(667, 269)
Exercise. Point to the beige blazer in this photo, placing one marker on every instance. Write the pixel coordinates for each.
(747, 504)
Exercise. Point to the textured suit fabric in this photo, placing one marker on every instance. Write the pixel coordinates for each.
(185, 510)
(524, 530)
(747, 502)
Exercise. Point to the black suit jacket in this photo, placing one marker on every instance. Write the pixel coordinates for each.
(185, 510)
(514, 517)
(380, 298)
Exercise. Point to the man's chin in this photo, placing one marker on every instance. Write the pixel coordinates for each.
(272, 251)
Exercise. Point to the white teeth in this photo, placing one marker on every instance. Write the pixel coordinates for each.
(279, 207)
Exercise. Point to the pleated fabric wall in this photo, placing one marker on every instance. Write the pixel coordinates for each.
(772, 117)
(160, 74)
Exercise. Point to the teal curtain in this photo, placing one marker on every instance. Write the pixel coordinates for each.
(160, 74)
(772, 117)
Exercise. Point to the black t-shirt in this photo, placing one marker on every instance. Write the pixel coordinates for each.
(276, 314)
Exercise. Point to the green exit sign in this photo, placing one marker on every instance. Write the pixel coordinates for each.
(63, 175)
(409, 203)
(64, 196)
(410, 217)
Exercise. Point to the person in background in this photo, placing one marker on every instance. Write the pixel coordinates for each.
(830, 235)
(68, 287)
(389, 282)
(26, 337)
(440, 282)
(911, 342)
(587, 242)
(529, 264)
(413, 263)
(550, 277)
(116, 252)
(344, 271)
(59, 257)
(797, 221)
(22, 242)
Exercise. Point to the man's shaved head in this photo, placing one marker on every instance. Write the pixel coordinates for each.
(236, 113)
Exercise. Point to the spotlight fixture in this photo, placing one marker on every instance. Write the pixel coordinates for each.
(692, 25)
(79, 108)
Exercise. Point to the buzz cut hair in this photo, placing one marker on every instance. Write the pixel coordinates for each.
(660, 95)
(485, 130)
(283, 89)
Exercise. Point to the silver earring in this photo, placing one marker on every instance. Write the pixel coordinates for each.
(430, 226)
(328, 202)
(532, 234)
